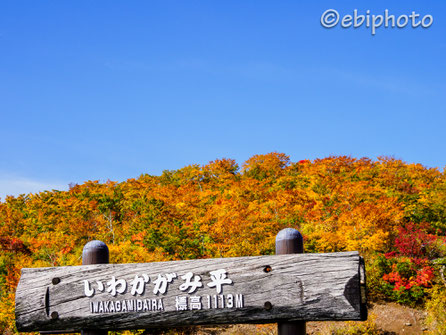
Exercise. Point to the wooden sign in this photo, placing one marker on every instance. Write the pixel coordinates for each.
(206, 291)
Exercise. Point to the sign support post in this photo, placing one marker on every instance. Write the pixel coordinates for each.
(95, 252)
(290, 241)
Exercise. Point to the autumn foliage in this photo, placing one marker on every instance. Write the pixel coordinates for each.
(393, 213)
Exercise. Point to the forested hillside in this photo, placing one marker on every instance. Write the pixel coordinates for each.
(393, 213)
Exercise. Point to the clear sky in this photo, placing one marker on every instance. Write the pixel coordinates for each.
(97, 90)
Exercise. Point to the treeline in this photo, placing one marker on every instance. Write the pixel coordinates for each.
(392, 212)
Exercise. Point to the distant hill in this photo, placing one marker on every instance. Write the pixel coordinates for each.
(393, 213)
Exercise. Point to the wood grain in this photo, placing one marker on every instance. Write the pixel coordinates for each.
(283, 287)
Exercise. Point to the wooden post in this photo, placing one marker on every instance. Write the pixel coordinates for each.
(290, 241)
(95, 252)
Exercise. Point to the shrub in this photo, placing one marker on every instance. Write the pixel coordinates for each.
(368, 327)
(436, 308)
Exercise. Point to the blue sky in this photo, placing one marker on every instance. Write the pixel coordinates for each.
(113, 89)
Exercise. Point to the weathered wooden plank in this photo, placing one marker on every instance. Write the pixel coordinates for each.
(233, 290)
